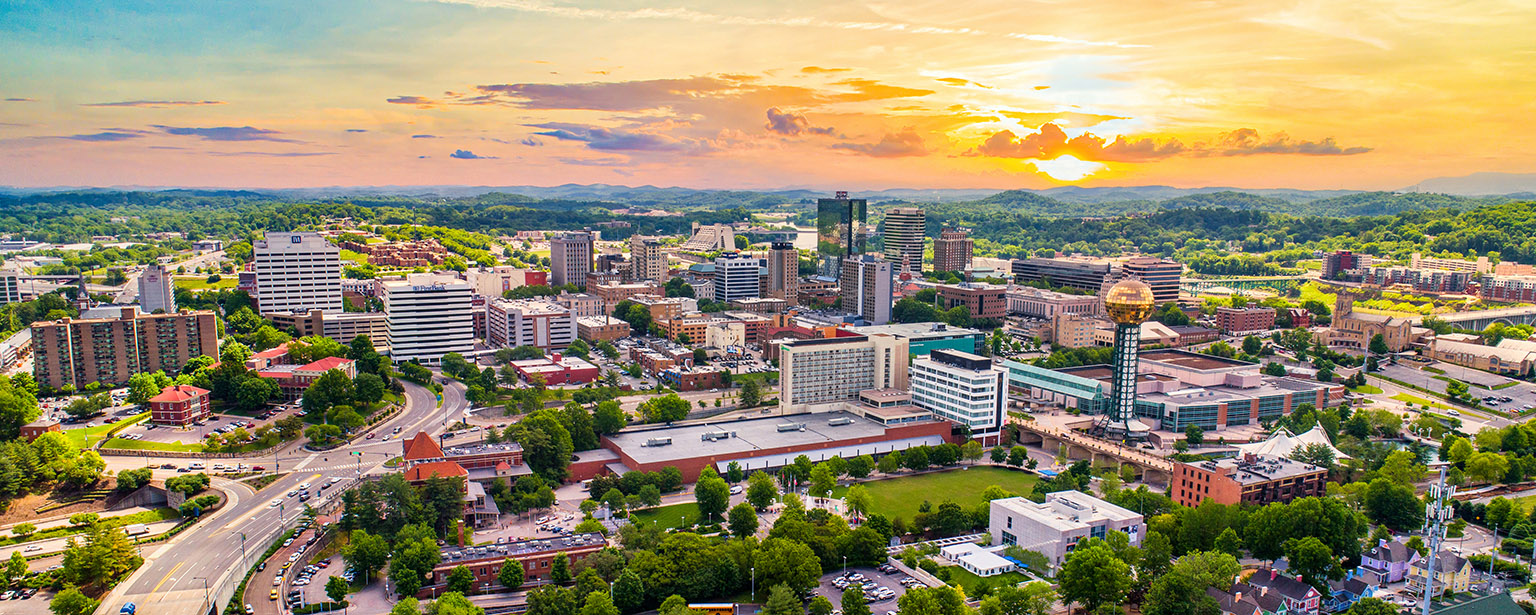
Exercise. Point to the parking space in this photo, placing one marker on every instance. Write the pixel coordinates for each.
(882, 588)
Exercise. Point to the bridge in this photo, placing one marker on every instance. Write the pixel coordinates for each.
(1482, 318)
(1279, 283)
(1078, 445)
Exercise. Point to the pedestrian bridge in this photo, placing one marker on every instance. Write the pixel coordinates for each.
(1078, 445)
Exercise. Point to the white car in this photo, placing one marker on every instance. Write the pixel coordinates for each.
(736, 489)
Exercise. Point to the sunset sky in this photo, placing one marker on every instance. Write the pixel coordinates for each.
(1362, 94)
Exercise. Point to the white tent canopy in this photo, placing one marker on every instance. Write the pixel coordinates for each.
(1283, 444)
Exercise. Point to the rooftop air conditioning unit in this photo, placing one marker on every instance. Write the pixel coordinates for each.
(783, 427)
(658, 442)
(842, 420)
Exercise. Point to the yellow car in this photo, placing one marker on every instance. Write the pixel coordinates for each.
(274, 594)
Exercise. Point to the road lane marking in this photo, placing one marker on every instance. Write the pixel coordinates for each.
(167, 576)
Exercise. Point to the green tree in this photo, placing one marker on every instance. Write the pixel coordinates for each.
(761, 492)
(1378, 345)
(1393, 505)
(782, 601)
(743, 520)
(853, 602)
(664, 409)
(70, 601)
(460, 579)
(366, 553)
(822, 481)
(1252, 345)
(560, 570)
(598, 603)
(141, 387)
(369, 388)
(712, 494)
(858, 500)
(608, 418)
(629, 592)
(1194, 435)
(1035, 598)
(1176, 593)
(336, 589)
(453, 603)
(1486, 467)
(1094, 576)
(511, 574)
(1372, 606)
(15, 567)
(1228, 542)
(861, 466)
(406, 606)
(1274, 369)
(751, 393)
(820, 605)
(22, 530)
(787, 562)
(1313, 561)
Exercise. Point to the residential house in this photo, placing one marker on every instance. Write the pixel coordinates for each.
(1300, 597)
(1452, 572)
(1344, 594)
(1387, 562)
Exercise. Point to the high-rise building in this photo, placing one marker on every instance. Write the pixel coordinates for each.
(1161, 275)
(10, 287)
(570, 258)
(839, 231)
(866, 288)
(155, 290)
(962, 387)
(297, 272)
(1082, 274)
(784, 272)
(427, 316)
(736, 276)
(952, 250)
(528, 322)
(817, 372)
(1128, 303)
(646, 259)
(982, 299)
(1335, 263)
(110, 350)
(904, 230)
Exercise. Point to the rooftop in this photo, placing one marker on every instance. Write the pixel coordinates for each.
(1258, 468)
(915, 330)
(454, 555)
(746, 437)
(326, 364)
(430, 469)
(1192, 360)
(176, 393)
(1067, 510)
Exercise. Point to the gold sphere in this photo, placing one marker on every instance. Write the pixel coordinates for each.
(1129, 302)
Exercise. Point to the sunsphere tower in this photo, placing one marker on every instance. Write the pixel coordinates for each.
(1128, 303)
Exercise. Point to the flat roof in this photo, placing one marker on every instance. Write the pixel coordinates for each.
(1192, 360)
(751, 435)
(914, 330)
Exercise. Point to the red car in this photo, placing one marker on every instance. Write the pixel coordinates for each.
(259, 469)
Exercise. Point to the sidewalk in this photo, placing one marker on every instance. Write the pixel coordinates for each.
(56, 545)
(63, 520)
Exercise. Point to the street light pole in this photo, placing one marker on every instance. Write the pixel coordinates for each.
(754, 583)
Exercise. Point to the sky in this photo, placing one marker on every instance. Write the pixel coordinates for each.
(1312, 94)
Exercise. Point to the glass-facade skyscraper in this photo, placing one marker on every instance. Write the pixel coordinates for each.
(840, 232)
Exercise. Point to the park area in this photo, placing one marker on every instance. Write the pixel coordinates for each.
(667, 517)
(901, 496)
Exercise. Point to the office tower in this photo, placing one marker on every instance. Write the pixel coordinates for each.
(784, 272)
(866, 288)
(1128, 303)
(952, 250)
(155, 291)
(427, 316)
(297, 272)
(839, 231)
(736, 276)
(529, 322)
(1082, 274)
(962, 387)
(904, 230)
(1335, 263)
(832, 370)
(983, 300)
(646, 259)
(10, 287)
(570, 258)
(111, 350)
(1162, 276)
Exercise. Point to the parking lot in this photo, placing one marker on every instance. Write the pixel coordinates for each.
(1520, 394)
(892, 581)
(194, 434)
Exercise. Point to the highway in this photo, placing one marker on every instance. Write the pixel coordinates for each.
(173, 579)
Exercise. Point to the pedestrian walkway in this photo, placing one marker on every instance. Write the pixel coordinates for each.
(63, 520)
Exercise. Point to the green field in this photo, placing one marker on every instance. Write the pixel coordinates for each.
(961, 577)
(1366, 388)
(88, 436)
(1415, 399)
(146, 445)
(668, 516)
(201, 283)
(900, 497)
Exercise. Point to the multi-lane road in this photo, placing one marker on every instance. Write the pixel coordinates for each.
(181, 576)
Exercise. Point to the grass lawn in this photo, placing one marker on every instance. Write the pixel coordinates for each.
(900, 497)
(201, 283)
(961, 577)
(1366, 388)
(146, 445)
(668, 516)
(1415, 399)
(88, 436)
(356, 258)
(1524, 504)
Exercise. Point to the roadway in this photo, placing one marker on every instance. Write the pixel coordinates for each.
(175, 575)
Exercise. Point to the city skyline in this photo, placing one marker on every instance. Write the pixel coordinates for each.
(740, 95)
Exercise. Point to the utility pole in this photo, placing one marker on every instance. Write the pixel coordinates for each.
(1436, 514)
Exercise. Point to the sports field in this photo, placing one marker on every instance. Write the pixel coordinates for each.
(900, 496)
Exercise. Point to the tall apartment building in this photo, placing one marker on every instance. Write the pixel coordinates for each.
(155, 290)
(1072, 330)
(10, 287)
(111, 350)
(570, 258)
(297, 272)
(952, 250)
(529, 322)
(427, 316)
(866, 288)
(962, 387)
(1335, 263)
(982, 299)
(1419, 261)
(904, 230)
(647, 261)
(784, 272)
(1160, 274)
(840, 231)
(736, 276)
(1089, 275)
(817, 372)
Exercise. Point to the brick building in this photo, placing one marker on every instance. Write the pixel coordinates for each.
(536, 556)
(601, 328)
(693, 379)
(108, 351)
(984, 300)
(1251, 479)
(179, 405)
(1244, 321)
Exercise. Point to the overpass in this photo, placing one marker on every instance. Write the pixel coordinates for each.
(1279, 283)
(1078, 445)
(1482, 318)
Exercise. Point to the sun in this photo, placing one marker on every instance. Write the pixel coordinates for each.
(1067, 168)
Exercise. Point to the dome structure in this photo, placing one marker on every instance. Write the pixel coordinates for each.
(1129, 302)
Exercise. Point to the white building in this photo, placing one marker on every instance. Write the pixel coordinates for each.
(1054, 527)
(155, 290)
(961, 387)
(1045, 304)
(570, 258)
(581, 305)
(648, 261)
(981, 561)
(529, 322)
(10, 287)
(737, 276)
(493, 281)
(427, 316)
(297, 272)
(866, 288)
(827, 373)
